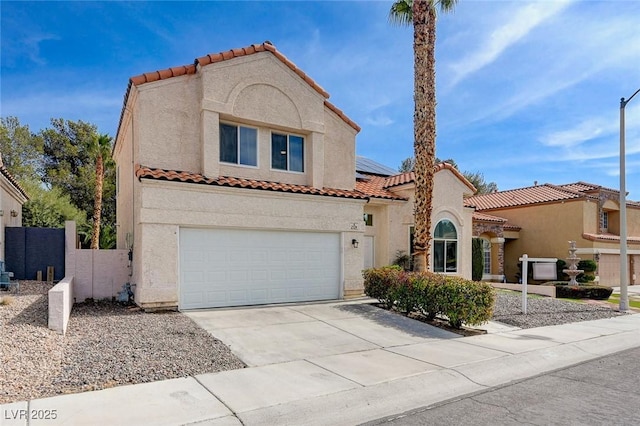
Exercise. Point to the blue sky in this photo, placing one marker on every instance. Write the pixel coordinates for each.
(527, 91)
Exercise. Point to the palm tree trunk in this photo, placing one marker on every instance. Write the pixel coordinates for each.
(97, 203)
(424, 121)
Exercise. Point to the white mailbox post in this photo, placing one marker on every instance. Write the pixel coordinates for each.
(525, 259)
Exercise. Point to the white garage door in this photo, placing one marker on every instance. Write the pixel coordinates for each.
(229, 267)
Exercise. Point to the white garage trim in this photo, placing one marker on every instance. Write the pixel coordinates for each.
(236, 267)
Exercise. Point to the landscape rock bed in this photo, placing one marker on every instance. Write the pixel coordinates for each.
(106, 345)
(543, 311)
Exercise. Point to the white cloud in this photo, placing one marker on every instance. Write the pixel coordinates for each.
(379, 120)
(524, 20)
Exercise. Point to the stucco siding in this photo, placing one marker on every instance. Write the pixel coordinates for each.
(546, 231)
(167, 124)
(339, 152)
(168, 206)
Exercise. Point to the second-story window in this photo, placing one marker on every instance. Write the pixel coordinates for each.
(287, 152)
(238, 145)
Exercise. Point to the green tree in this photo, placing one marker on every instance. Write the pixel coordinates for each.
(477, 259)
(422, 15)
(21, 150)
(49, 208)
(101, 154)
(70, 163)
(476, 178)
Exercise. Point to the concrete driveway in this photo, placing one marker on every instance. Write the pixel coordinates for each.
(346, 333)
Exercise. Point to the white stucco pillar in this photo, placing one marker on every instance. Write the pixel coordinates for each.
(209, 143)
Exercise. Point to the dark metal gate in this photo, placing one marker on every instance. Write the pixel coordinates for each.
(29, 250)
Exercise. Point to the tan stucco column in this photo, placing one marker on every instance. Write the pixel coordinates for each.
(316, 160)
(209, 143)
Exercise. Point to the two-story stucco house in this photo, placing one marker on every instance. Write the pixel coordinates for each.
(12, 197)
(236, 185)
(540, 220)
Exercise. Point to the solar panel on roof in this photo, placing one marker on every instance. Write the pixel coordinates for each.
(366, 165)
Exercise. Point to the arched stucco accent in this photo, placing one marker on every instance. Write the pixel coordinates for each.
(444, 213)
(265, 103)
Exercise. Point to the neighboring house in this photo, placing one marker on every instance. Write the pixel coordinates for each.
(235, 185)
(12, 197)
(389, 218)
(541, 219)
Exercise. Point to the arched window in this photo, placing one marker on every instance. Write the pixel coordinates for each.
(445, 247)
(486, 249)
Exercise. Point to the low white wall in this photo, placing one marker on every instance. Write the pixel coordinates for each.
(60, 304)
(544, 290)
(98, 274)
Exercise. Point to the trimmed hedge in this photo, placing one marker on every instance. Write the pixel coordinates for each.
(460, 300)
(596, 292)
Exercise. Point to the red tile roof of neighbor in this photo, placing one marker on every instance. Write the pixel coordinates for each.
(610, 237)
(213, 58)
(11, 179)
(525, 196)
(180, 176)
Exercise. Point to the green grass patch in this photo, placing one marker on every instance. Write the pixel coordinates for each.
(616, 299)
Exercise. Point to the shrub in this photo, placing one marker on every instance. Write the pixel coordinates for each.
(402, 260)
(596, 292)
(378, 283)
(466, 301)
(429, 299)
(462, 301)
(477, 259)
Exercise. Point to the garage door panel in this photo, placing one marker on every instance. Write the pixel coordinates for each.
(221, 267)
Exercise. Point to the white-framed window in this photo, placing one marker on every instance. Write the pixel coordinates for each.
(605, 221)
(486, 250)
(368, 219)
(238, 145)
(445, 247)
(287, 152)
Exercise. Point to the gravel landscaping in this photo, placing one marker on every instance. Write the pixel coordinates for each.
(106, 345)
(109, 345)
(542, 311)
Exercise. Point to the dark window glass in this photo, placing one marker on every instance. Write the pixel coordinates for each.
(248, 146)
(278, 151)
(296, 154)
(438, 256)
(228, 143)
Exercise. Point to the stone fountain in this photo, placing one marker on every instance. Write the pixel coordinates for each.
(573, 260)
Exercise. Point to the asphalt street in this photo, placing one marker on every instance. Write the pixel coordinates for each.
(604, 391)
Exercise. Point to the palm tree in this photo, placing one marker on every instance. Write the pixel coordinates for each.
(101, 150)
(422, 14)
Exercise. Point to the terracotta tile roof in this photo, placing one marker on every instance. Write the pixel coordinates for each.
(255, 48)
(524, 196)
(482, 217)
(11, 179)
(180, 176)
(373, 186)
(610, 238)
(586, 187)
(225, 56)
(409, 177)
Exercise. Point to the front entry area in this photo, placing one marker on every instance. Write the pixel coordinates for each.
(237, 267)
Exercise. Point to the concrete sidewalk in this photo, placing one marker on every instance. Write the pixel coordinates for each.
(348, 383)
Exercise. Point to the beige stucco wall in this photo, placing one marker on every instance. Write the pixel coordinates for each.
(546, 230)
(175, 122)
(393, 219)
(10, 199)
(167, 206)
